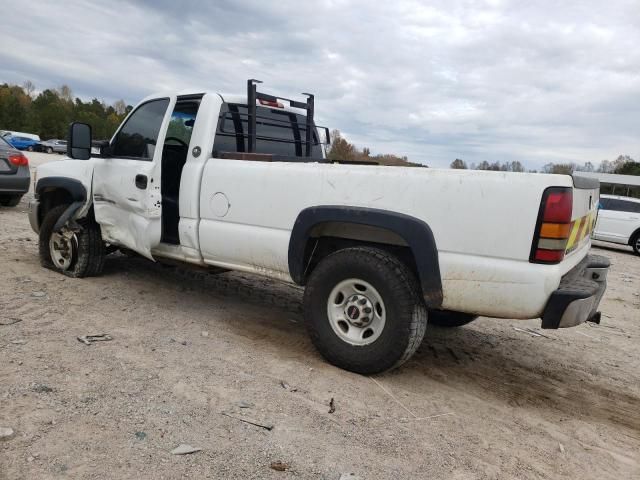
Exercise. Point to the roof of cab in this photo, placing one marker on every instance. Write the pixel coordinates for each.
(229, 98)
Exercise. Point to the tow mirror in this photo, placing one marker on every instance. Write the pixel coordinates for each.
(79, 142)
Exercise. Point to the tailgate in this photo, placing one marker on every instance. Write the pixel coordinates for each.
(586, 194)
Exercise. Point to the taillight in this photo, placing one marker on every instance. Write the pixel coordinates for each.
(554, 225)
(270, 103)
(19, 160)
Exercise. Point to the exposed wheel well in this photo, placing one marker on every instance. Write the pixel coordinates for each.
(50, 198)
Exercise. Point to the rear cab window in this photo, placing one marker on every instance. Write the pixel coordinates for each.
(278, 132)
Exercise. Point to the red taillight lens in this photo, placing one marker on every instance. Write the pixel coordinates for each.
(549, 256)
(559, 206)
(554, 226)
(18, 160)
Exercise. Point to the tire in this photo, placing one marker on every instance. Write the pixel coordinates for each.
(49, 150)
(10, 200)
(449, 319)
(29, 149)
(635, 243)
(86, 250)
(403, 312)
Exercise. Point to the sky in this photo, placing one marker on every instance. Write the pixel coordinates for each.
(496, 80)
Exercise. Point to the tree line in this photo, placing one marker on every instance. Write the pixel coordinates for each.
(341, 149)
(49, 113)
(624, 165)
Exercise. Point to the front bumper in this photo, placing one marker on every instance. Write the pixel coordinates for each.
(33, 215)
(577, 298)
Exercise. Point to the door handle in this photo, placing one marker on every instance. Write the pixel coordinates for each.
(141, 181)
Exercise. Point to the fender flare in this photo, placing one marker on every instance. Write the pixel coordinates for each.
(415, 232)
(74, 187)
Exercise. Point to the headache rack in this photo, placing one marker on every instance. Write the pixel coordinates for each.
(311, 131)
(253, 96)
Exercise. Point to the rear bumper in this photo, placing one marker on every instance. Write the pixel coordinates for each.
(577, 298)
(15, 183)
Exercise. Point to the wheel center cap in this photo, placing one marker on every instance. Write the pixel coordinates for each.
(353, 312)
(358, 311)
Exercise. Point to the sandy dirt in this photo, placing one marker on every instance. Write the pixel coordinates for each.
(193, 355)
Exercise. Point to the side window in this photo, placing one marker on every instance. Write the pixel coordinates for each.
(622, 206)
(632, 207)
(181, 125)
(137, 138)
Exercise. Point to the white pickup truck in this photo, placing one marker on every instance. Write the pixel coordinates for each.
(242, 183)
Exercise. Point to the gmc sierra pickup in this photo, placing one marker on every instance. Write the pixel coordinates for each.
(242, 183)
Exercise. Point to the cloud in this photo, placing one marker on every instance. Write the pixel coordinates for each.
(479, 80)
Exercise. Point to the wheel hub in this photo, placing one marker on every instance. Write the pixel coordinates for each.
(358, 311)
(61, 247)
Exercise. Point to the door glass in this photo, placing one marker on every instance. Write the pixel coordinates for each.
(181, 124)
(138, 136)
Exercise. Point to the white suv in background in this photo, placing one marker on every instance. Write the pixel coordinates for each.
(619, 221)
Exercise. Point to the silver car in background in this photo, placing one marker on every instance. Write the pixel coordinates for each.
(55, 145)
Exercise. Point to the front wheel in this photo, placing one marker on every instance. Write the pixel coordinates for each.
(363, 310)
(49, 150)
(75, 253)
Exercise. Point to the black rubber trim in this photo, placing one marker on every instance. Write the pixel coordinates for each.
(74, 187)
(415, 232)
(584, 183)
(573, 286)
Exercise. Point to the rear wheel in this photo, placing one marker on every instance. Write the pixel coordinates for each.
(447, 318)
(635, 243)
(30, 149)
(363, 310)
(10, 200)
(74, 253)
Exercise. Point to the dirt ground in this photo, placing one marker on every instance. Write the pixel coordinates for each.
(194, 355)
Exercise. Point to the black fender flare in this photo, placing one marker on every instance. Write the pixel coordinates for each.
(415, 232)
(71, 185)
(74, 187)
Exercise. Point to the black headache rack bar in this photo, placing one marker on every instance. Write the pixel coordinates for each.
(253, 96)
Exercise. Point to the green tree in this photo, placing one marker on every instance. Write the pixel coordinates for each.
(458, 164)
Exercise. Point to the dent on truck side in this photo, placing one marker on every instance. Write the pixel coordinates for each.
(415, 232)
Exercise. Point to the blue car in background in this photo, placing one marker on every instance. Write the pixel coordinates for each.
(24, 143)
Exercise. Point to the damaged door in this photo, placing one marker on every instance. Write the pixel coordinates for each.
(126, 185)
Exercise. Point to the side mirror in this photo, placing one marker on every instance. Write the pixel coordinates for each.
(79, 141)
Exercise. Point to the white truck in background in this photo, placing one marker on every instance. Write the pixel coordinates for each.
(242, 183)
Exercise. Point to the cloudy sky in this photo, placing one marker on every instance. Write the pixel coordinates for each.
(495, 80)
